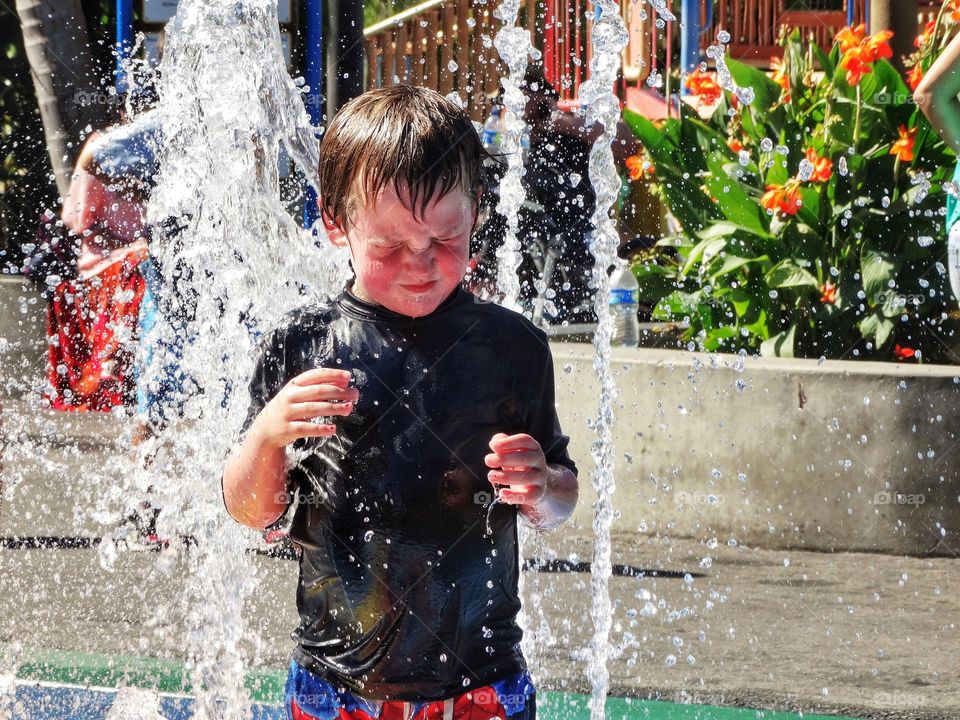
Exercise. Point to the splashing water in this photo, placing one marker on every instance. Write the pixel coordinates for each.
(225, 242)
(513, 45)
(601, 105)
(717, 53)
(662, 10)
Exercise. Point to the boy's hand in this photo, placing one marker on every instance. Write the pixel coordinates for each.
(316, 393)
(520, 468)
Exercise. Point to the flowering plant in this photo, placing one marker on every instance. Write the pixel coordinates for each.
(810, 209)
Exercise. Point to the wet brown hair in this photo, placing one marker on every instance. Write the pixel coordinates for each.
(409, 137)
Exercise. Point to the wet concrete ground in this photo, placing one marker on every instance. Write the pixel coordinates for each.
(858, 635)
(862, 635)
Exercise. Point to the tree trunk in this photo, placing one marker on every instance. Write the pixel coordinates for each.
(69, 95)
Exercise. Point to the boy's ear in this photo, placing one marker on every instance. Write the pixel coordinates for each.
(335, 233)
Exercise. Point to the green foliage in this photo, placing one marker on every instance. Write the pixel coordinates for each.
(839, 253)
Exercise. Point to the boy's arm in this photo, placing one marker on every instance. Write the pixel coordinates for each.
(937, 94)
(255, 476)
(254, 482)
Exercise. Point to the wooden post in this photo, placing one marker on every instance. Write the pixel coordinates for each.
(417, 55)
(389, 55)
(448, 13)
(901, 17)
(464, 33)
(431, 74)
(401, 57)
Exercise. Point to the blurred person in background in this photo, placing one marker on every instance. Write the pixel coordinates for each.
(937, 95)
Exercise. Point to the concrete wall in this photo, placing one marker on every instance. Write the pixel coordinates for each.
(23, 343)
(775, 452)
(766, 452)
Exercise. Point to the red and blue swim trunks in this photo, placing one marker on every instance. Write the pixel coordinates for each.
(308, 697)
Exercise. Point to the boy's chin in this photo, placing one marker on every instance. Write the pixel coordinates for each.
(416, 304)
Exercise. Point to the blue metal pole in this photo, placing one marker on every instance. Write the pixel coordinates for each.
(124, 42)
(850, 8)
(314, 98)
(690, 37)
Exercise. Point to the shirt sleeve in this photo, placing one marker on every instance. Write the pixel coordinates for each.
(272, 371)
(542, 423)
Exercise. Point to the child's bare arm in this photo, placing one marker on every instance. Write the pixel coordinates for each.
(546, 493)
(937, 94)
(255, 476)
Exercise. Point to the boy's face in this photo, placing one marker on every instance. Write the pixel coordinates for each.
(408, 265)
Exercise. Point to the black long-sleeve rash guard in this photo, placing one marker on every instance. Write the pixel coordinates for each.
(403, 594)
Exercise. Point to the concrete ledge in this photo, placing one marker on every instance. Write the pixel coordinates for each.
(776, 453)
(23, 336)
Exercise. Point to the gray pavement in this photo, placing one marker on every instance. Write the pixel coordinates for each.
(863, 635)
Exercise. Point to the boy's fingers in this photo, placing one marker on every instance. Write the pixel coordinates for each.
(520, 496)
(512, 477)
(333, 376)
(520, 458)
(508, 443)
(309, 429)
(305, 411)
(313, 393)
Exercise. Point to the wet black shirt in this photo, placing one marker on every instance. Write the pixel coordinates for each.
(403, 594)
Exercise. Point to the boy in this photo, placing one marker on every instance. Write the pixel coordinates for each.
(405, 400)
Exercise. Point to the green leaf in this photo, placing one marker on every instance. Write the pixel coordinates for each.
(766, 91)
(877, 268)
(878, 328)
(781, 344)
(715, 337)
(734, 262)
(726, 229)
(650, 136)
(735, 204)
(761, 326)
(655, 280)
(702, 253)
(677, 304)
(787, 273)
(826, 64)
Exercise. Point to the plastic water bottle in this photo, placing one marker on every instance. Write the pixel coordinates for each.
(624, 291)
(492, 135)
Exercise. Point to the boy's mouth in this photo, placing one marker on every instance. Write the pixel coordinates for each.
(419, 287)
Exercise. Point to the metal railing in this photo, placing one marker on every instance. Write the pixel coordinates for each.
(447, 45)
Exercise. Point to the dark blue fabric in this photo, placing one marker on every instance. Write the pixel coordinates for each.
(316, 697)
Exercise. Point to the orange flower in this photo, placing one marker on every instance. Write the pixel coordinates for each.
(851, 37)
(828, 293)
(924, 37)
(903, 148)
(859, 51)
(903, 353)
(735, 145)
(915, 76)
(954, 6)
(780, 77)
(703, 86)
(784, 199)
(822, 166)
(638, 166)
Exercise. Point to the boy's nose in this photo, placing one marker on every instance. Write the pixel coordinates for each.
(419, 246)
